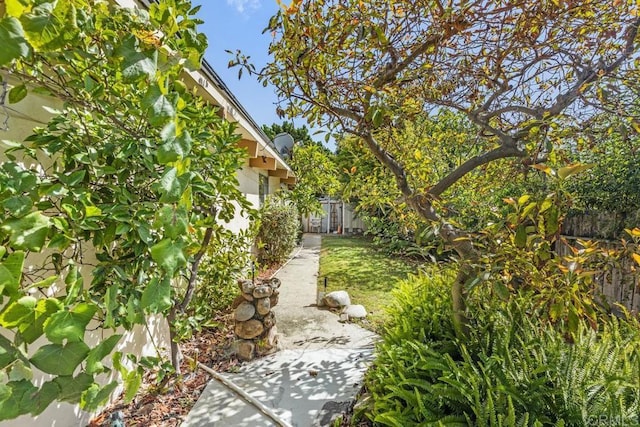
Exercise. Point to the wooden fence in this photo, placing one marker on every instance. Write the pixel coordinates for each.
(618, 281)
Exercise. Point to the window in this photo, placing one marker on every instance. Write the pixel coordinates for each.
(263, 188)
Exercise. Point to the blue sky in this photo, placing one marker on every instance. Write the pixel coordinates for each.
(238, 24)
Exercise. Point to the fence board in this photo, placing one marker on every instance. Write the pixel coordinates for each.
(616, 283)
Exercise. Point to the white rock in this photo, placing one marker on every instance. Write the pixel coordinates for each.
(356, 311)
(337, 299)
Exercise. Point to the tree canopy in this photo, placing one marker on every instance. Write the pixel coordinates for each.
(522, 72)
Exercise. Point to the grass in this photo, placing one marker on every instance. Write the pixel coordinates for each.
(353, 265)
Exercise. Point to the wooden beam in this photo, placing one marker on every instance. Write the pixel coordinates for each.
(289, 181)
(263, 162)
(280, 173)
(251, 146)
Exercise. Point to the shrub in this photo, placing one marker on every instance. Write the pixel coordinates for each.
(278, 231)
(514, 369)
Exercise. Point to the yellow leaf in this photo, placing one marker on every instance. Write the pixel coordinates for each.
(544, 168)
(636, 258)
(417, 154)
(572, 169)
(634, 232)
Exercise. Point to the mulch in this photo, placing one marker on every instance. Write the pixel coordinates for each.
(169, 406)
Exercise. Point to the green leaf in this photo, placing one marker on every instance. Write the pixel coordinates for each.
(50, 24)
(132, 382)
(171, 186)
(15, 312)
(28, 232)
(71, 388)
(45, 283)
(98, 353)
(91, 211)
(158, 106)
(19, 402)
(14, 45)
(18, 205)
(135, 315)
(501, 289)
(156, 297)
(174, 146)
(136, 63)
(174, 221)
(16, 8)
(5, 393)
(8, 353)
(376, 117)
(169, 255)
(56, 359)
(69, 325)
(49, 392)
(94, 397)
(32, 327)
(17, 94)
(73, 178)
(521, 236)
(11, 274)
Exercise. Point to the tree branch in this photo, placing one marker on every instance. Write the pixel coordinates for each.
(565, 99)
(193, 271)
(501, 152)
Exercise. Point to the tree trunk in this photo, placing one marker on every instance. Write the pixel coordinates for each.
(461, 243)
(458, 298)
(176, 353)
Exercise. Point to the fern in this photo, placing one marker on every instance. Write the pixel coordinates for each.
(513, 370)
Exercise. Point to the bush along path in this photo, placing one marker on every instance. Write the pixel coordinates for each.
(317, 373)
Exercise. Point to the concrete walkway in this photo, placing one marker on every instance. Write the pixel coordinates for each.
(316, 374)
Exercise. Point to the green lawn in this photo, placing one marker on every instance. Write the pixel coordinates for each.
(351, 264)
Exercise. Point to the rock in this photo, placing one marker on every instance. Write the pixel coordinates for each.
(269, 320)
(272, 337)
(274, 282)
(356, 311)
(263, 306)
(276, 291)
(249, 329)
(247, 286)
(247, 297)
(262, 291)
(273, 299)
(245, 349)
(269, 344)
(244, 311)
(337, 299)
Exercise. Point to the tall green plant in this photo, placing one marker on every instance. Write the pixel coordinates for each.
(278, 231)
(133, 167)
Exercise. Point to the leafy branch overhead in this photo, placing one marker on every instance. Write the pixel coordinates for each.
(515, 69)
(526, 74)
(133, 168)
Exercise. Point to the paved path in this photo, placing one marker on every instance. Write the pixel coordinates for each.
(317, 372)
